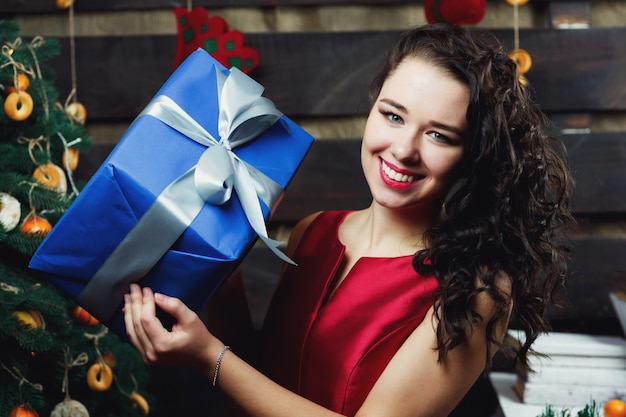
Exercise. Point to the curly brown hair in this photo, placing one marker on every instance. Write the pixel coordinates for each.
(509, 210)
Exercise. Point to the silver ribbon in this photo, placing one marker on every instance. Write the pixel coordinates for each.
(244, 114)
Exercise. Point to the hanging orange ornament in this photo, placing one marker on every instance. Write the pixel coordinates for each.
(522, 59)
(51, 176)
(23, 411)
(82, 316)
(70, 158)
(36, 225)
(22, 84)
(140, 402)
(64, 4)
(99, 376)
(77, 112)
(18, 106)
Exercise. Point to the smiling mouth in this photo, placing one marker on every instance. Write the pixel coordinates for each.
(395, 175)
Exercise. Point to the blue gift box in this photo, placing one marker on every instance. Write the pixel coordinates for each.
(144, 216)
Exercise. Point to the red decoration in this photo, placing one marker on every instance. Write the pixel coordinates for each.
(23, 411)
(197, 30)
(455, 12)
(82, 316)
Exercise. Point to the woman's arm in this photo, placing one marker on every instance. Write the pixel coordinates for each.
(414, 383)
(228, 316)
(190, 344)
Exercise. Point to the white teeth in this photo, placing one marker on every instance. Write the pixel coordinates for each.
(395, 175)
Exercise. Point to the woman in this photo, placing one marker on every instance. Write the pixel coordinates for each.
(398, 308)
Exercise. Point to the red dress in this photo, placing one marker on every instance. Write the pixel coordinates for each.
(333, 352)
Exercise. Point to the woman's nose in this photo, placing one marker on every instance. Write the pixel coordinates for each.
(407, 148)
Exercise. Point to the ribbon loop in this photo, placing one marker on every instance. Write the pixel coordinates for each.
(244, 112)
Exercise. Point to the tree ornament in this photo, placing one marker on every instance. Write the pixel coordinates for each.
(23, 411)
(35, 225)
(69, 408)
(141, 402)
(51, 176)
(77, 112)
(10, 211)
(82, 316)
(70, 158)
(522, 59)
(18, 106)
(30, 318)
(455, 12)
(22, 82)
(197, 30)
(64, 4)
(99, 376)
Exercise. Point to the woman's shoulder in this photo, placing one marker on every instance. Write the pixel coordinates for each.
(301, 227)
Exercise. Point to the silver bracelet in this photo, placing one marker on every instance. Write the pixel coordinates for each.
(217, 363)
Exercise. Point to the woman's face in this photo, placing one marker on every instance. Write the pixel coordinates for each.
(415, 137)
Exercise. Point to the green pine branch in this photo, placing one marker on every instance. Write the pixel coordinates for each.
(34, 357)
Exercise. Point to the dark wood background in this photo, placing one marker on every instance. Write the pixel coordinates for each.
(40, 6)
(575, 74)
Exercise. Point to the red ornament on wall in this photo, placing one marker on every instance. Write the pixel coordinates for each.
(455, 12)
(196, 29)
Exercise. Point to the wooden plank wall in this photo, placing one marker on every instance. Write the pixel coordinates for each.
(317, 57)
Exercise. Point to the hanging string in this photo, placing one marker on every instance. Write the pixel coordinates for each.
(17, 375)
(33, 211)
(189, 5)
(7, 51)
(66, 162)
(35, 143)
(516, 24)
(36, 43)
(73, 53)
(68, 364)
(9, 288)
(96, 340)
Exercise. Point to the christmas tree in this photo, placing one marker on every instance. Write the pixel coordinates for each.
(55, 359)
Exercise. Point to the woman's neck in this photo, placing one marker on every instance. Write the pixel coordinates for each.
(379, 231)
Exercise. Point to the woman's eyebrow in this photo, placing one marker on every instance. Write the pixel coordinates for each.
(449, 128)
(394, 104)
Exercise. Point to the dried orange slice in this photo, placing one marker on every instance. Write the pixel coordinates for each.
(522, 59)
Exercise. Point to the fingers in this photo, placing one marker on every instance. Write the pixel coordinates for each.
(139, 316)
(182, 314)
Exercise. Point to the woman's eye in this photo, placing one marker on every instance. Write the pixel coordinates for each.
(439, 137)
(392, 117)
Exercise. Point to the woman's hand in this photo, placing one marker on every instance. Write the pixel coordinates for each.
(189, 343)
